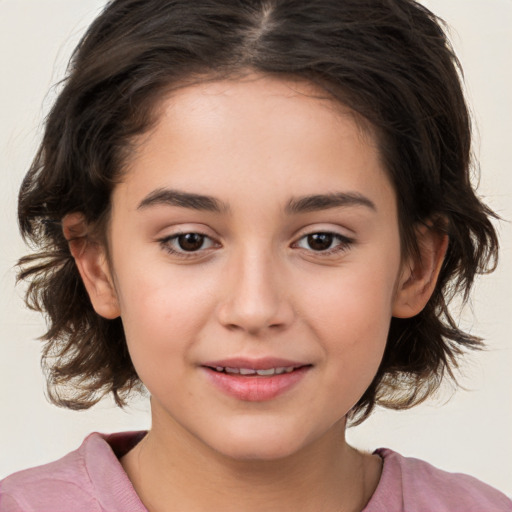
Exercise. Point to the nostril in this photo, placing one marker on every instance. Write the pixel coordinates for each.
(254, 307)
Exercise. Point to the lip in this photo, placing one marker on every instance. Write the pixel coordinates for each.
(255, 388)
(263, 363)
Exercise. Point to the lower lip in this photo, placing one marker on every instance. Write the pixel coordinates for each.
(256, 388)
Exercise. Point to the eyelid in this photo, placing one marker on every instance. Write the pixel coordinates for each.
(165, 243)
(345, 242)
(183, 228)
(330, 228)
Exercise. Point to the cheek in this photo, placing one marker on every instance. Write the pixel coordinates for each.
(161, 312)
(352, 327)
(350, 312)
(355, 301)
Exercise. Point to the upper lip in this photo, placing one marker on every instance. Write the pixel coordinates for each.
(264, 363)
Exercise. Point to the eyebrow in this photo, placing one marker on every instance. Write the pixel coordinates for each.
(304, 204)
(319, 202)
(165, 196)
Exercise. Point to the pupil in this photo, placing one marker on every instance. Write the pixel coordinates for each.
(191, 241)
(320, 241)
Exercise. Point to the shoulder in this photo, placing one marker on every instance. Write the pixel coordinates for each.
(412, 485)
(53, 486)
(88, 479)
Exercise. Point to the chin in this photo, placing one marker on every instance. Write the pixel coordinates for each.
(264, 452)
(262, 443)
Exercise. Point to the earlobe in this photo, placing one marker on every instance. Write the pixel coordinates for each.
(92, 263)
(419, 275)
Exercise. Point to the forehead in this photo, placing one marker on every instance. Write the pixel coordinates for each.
(255, 99)
(253, 132)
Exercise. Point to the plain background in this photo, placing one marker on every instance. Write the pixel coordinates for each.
(469, 431)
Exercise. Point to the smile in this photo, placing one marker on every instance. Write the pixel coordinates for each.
(255, 381)
(250, 371)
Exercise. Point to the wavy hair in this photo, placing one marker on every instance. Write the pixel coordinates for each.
(388, 60)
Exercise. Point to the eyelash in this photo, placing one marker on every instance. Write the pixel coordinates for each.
(343, 245)
(167, 241)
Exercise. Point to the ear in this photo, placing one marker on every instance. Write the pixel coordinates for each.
(92, 263)
(419, 274)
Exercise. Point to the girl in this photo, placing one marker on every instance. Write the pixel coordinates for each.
(258, 210)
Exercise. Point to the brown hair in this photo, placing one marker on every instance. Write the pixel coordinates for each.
(388, 60)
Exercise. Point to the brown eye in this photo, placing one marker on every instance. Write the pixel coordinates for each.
(320, 241)
(325, 243)
(188, 244)
(190, 241)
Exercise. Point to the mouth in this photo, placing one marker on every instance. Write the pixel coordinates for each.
(255, 381)
(268, 372)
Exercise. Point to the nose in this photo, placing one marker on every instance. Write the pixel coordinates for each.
(255, 295)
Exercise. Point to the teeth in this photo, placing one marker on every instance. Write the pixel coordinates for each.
(270, 371)
(249, 371)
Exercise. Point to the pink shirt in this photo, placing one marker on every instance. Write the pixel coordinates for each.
(91, 479)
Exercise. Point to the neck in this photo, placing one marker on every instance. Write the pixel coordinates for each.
(171, 471)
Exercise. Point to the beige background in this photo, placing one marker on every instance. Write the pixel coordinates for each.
(471, 432)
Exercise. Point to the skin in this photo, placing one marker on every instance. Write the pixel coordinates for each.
(256, 288)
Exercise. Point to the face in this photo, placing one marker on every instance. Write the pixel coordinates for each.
(255, 258)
